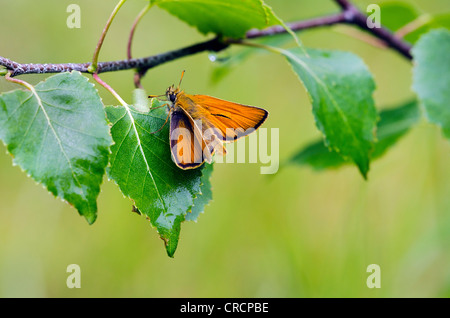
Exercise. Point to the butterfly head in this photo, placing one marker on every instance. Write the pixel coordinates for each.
(171, 93)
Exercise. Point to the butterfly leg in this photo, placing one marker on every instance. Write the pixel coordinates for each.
(166, 104)
(167, 119)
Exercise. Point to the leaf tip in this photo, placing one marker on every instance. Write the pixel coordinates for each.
(91, 218)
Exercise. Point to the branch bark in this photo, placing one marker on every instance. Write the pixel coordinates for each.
(349, 15)
(354, 16)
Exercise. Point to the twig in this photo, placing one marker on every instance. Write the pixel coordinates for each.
(298, 26)
(349, 15)
(93, 67)
(113, 66)
(217, 44)
(354, 16)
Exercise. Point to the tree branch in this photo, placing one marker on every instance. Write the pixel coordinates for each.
(354, 16)
(349, 15)
(298, 26)
(113, 66)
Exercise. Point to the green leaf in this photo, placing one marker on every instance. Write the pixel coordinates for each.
(394, 123)
(395, 15)
(60, 137)
(231, 18)
(431, 79)
(432, 22)
(204, 197)
(318, 156)
(341, 88)
(142, 166)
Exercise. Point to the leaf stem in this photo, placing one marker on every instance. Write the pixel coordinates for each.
(20, 82)
(413, 25)
(298, 25)
(137, 75)
(33, 91)
(93, 67)
(133, 28)
(256, 45)
(110, 89)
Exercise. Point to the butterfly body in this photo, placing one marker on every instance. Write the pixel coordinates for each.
(200, 124)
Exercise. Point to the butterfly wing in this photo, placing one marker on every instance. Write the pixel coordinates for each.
(188, 148)
(229, 120)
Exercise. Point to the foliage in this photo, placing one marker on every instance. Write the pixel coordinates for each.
(60, 137)
(394, 123)
(431, 77)
(58, 134)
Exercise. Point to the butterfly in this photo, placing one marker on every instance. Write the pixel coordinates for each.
(201, 124)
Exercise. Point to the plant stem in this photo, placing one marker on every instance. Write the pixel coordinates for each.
(133, 28)
(26, 85)
(137, 75)
(298, 26)
(258, 45)
(93, 67)
(110, 89)
(413, 25)
(20, 82)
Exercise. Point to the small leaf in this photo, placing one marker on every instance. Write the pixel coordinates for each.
(59, 137)
(431, 79)
(318, 156)
(341, 88)
(395, 15)
(432, 22)
(142, 166)
(394, 123)
(231, 18)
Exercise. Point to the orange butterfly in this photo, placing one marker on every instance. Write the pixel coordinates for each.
(200, 124)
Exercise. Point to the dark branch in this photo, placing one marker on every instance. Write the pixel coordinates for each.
(298, 26)
(354, 16)
(344, 4)
(350, 15)
(140, 63)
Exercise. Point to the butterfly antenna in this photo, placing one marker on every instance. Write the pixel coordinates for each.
(182, 74)
(154, 96)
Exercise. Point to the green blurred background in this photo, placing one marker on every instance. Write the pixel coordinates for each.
(296, 234)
